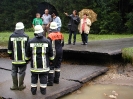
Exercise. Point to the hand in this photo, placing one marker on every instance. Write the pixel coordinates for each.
(47, 26)
(66, 14)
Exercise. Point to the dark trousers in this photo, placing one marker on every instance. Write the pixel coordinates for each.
(54, 73)
(84, 37)
(34, 81)
(18, 69)
(70, 36)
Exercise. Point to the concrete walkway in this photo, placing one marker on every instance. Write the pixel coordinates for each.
(109, 47)
(72, 78)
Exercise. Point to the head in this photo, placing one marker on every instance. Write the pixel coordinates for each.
(53, 26)
(85, 16)
(46, 11)
(74, 12)
(38, 15)
(38, 31)
(19, 26)
(53, 14)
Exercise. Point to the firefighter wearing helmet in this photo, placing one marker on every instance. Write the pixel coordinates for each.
(57, 41)
(39, 52)
(16, 50)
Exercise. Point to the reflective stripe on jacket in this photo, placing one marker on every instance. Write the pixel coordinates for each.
(16, 46)
(39, 50)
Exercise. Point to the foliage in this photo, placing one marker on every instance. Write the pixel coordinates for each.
(127, 54)
(113, 17)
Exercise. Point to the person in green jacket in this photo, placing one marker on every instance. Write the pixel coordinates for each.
(37, 20)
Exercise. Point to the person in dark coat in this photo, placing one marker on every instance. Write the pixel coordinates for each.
(74, 21)
(39, 51)
(16, 50)
(57, 41)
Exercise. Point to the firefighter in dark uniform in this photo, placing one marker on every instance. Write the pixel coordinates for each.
(39, 51)
(57, 43)
(16, 50)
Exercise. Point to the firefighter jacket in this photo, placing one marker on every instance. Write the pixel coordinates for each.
(16, 46)
(39, 50)
(57, 40)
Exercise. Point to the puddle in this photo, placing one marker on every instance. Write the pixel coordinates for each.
(102, 92)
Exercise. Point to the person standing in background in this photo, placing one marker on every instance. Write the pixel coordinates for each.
(84, 29)
(57, 20)
(16, 50)
(46, 21)
(74, 21)
(37, 20)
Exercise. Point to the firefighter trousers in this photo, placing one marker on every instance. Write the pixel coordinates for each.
(43, 82)
(54, 73)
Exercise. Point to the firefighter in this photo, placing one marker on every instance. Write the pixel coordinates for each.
(16, 50)
(57, 43)
(39, 51)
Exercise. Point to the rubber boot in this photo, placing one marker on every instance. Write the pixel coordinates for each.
(21, 83)
(50, 79)
(57, 76)
(43, 90)
(33, 90)
(15, 83)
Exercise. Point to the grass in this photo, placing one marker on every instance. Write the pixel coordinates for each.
(4, 36)
(127, 54)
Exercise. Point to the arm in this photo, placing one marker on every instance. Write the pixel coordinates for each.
(67, 15)
(33, 23)
(10, 46)
(88, 22)
(28, 53)
(59, 22)
(50, 52)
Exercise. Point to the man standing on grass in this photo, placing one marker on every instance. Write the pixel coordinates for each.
(74, 21)
(57, 20)
(16, 50)
(46, 21)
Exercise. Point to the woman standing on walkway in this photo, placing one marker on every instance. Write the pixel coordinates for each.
(84, 28)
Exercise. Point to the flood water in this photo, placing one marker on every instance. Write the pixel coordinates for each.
(102, 92)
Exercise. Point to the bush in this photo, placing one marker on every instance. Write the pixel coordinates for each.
(127, 54)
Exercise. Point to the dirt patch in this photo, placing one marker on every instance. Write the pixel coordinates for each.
(118, 74)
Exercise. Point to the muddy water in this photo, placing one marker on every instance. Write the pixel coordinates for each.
(102, 92)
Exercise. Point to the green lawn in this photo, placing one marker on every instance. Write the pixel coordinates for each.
(4, 36)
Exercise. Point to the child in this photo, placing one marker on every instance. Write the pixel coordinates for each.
(37, 20)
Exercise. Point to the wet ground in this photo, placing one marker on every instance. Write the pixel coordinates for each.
(118, 80)
(72, 78)
(102, 92)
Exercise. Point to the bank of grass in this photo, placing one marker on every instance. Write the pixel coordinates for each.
(127, 54)
(4, 36)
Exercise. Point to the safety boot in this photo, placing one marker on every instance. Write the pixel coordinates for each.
(15, 83)
(50, 79)
(43, 90)
(21, 83)
(56, 78)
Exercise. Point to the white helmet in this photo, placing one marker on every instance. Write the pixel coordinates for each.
(38, 29)
(19, 26)
(53, 25)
